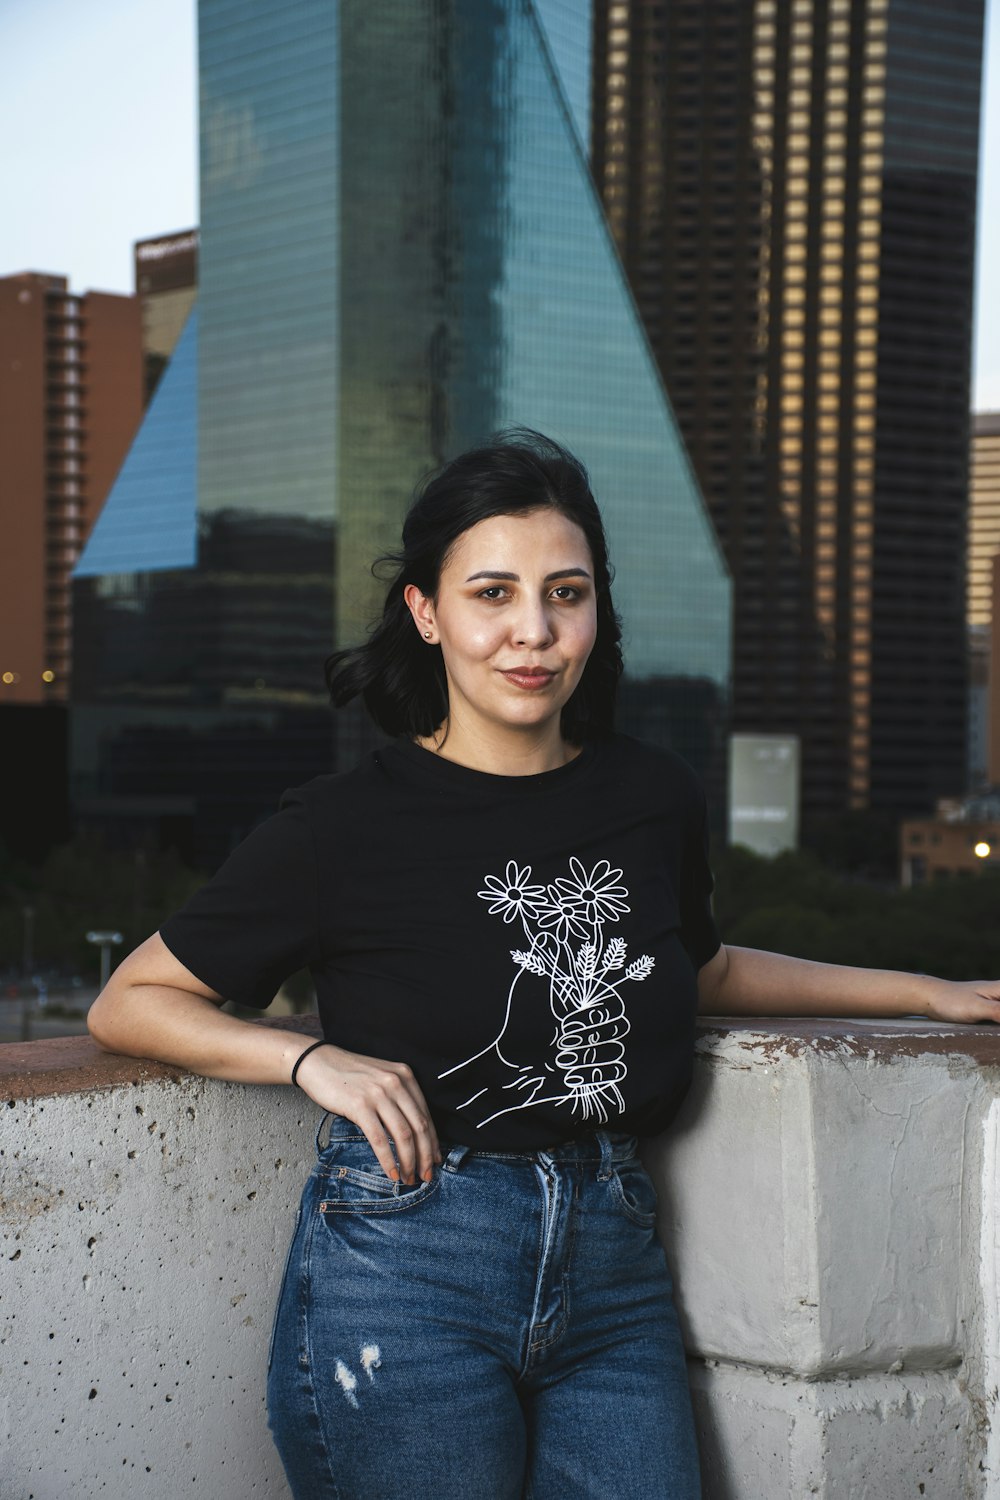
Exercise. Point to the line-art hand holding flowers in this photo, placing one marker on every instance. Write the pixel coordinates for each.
(564, 924)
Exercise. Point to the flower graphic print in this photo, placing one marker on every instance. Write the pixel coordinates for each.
(566, 944)
(513, 897)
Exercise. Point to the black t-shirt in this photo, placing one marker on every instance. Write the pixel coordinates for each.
(528, 944)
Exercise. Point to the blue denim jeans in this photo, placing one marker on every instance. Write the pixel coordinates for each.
(503, 1332)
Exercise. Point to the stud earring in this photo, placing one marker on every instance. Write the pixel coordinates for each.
(427, 635)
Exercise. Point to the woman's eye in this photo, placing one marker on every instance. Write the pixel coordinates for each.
(495, 591)
(566, 591)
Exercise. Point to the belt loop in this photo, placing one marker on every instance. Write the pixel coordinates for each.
(455, 1158)
(606, 1168)
(326, 1116)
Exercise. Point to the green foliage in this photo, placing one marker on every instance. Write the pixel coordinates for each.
(795, 904)
(81, 886)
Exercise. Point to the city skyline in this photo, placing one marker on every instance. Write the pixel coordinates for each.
(84, 225)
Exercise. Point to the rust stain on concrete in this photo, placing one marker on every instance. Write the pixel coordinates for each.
(792, 1036)
(75, 1064)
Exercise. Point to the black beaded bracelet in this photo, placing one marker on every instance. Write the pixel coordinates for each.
(311, 1048)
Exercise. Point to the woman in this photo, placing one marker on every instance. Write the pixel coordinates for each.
(506, 910)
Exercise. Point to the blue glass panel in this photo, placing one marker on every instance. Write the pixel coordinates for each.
(269, 255)
(573, 359)
(567, 28)
(149, 518)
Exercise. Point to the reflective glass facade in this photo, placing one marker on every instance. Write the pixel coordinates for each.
(402, 251)
(791, 184)
(148, 522)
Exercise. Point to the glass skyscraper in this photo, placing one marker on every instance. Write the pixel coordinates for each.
(792, 187)
(402, 251)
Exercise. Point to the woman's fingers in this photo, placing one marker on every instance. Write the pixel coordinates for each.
(413, 1157)
(403, 1111)
(383, 1099)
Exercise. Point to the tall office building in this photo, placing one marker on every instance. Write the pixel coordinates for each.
(401, 251)
(70, 403)
(983, 601)
(166, 284)
(792, 187)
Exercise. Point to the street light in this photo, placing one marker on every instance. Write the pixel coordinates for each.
(105, 941)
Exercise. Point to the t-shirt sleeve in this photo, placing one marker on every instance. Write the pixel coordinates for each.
(699, 933)
(255, 922)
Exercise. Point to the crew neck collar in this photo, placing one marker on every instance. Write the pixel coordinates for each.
(436, 767)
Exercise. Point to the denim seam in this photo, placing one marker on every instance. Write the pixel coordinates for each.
(538, 1345)
(305, 1292)
(640, 1220)
(392, 1205)
(543, 1345)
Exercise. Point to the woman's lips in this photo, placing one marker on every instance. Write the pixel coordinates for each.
(527, 677)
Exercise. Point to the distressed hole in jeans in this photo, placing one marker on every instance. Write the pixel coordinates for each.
(347, 1381)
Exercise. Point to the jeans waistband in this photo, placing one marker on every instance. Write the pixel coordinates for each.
(604, 1146)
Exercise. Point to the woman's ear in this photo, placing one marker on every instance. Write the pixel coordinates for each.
(422, 610)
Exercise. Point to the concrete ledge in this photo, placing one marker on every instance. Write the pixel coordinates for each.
(828, 1203)
(75, 1064)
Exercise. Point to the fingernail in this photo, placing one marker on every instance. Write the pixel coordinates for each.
(428, 1174)
(394, 1174)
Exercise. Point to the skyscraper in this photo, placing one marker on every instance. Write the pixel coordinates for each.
(792, 188)
(983, 601)
(70, 402)
(166, 283)
(401, 251)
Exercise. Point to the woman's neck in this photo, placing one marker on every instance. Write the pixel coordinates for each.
(515, 753)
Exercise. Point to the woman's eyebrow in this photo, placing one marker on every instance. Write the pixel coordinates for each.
(516, 578)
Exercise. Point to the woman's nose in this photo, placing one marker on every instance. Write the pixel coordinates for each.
(533, 626)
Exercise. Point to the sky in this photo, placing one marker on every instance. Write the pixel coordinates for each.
(98, 119)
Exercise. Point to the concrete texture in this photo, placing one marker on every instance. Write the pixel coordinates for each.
(828, 1206)
(143, 1230)
(828, 1200)
(763, 1434)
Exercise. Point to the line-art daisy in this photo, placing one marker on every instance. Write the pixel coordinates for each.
(596, 893)
(514, 897)
(563, 915)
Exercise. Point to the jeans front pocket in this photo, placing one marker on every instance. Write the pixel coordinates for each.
(633, 1192)
(356, 1184)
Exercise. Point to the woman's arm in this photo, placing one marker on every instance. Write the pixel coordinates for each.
(154, 1007)
(750, 982)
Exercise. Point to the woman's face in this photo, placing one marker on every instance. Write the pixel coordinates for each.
(515, 617)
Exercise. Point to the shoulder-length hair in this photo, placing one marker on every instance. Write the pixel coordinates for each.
(400, 678)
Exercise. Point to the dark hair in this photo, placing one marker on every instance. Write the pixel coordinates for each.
(401, 679)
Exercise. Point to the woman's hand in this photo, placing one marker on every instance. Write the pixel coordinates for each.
(154, 1007)
(963, 1000)
(383, 1099)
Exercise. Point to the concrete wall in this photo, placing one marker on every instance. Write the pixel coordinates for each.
(828, 1203)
